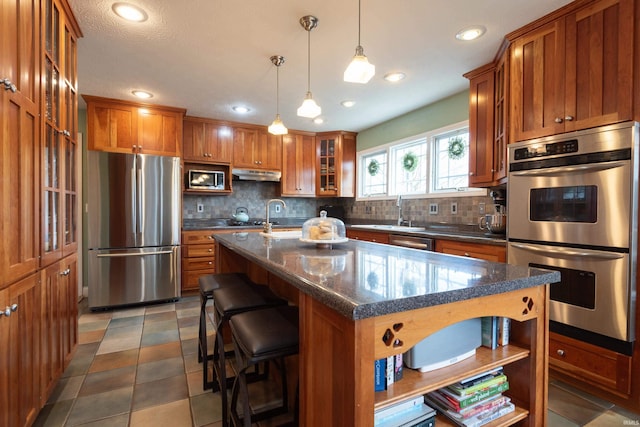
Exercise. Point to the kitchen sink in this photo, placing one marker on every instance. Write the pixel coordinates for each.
(388, 227)
(293, 234)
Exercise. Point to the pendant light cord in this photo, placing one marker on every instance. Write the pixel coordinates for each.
(277, 89)
(359, 20)
(309, 60)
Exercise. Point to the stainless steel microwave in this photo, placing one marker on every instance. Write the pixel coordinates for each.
(205, 180)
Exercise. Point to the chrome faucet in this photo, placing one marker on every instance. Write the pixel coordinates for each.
(399, 205)
(267, 224)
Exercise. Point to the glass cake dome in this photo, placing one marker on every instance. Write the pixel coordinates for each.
(324, 230)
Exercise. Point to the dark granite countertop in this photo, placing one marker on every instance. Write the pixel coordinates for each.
(361, 279)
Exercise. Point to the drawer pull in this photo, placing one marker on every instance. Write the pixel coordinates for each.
(560, 352)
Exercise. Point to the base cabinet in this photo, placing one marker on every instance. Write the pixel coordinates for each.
(198, 257)
(368, 236)
(20, 399)
(604, 369)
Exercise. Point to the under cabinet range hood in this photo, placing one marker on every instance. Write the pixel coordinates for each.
(256, 175)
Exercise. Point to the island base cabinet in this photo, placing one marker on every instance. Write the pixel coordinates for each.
(337, 357)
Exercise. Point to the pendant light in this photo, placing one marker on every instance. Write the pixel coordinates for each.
(309, 108)
(277, 127)
(359, 70)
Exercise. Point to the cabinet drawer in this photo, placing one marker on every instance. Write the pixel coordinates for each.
(191, 251)
(195, 237)
(190, 278)
(585, 362)
(368, 236)
(189, 264)
(473, 250)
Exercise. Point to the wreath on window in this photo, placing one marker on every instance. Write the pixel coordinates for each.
(374, 167)
(456, 148)
(410, 162)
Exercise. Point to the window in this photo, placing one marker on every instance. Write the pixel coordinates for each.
(432, 164)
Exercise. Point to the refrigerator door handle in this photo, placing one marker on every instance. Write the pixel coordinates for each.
(134, 199)
(139, 199)
(133, 254)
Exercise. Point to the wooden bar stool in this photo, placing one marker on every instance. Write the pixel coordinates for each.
(262, 336)
(208, 283)
(227, 302)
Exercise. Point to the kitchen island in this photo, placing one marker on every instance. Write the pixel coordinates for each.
(362, 301)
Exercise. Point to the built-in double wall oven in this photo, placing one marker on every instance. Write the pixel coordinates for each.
(572, 203)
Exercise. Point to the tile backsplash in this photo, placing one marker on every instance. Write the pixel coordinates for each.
(254, 195)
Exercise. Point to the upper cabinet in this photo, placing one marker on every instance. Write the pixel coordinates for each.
(298, 165)
(207, 141)
(336, 164)
(574, 72)
(125, 127)
(59, 144)
(255, 148)
(488, 122)
(20, 56)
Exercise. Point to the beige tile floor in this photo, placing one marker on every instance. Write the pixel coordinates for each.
(138, 367)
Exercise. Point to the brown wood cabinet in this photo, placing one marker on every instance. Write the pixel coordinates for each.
(368, 236)
(574, 72)
(127, 127)
(59, 312)
(255, 148)
(20, 357)
(20, 141)
(600, 367)
(474, 250)
(198, 257)
(207, 141)
(481, 111)
(298, 165)
(336, 164)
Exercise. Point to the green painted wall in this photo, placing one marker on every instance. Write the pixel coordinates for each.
(442, 113)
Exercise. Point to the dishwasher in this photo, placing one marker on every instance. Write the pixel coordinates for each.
(422, 243)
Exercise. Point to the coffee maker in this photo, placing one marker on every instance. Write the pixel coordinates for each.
(495, 222)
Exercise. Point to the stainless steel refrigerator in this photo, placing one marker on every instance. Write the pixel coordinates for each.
(134, 207)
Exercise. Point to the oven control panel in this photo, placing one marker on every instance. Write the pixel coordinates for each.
(542, 150)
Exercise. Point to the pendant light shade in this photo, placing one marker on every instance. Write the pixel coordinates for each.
(309, 107)
(277, 127)
(359, 70)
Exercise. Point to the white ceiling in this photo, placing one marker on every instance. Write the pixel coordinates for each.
(209, 55)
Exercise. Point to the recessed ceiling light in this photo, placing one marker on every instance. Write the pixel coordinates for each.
(240, 109)
(348, 104)
(318, 120)
(142, 94)
(395, 76)
(129, 12)
(470, 33)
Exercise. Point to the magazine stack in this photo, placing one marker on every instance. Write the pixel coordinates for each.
(475, 401)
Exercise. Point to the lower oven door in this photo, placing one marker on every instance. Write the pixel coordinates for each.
(594, 292)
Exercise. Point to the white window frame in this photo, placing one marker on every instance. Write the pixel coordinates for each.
(429, 138)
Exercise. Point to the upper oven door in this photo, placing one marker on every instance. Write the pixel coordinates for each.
(584, 204)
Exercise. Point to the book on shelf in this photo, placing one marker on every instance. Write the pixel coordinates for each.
(489, 327)
(457, 403)
(380, 374)
(504, 328)
(399, 369)
(479, 378)
(391, 366)
(482, 406)
(478, 419)
(480, 386)
(394, 411)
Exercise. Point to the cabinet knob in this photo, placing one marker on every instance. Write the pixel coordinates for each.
(210, 250)
(210, 262)
(470, 173)
(568, 118)
(466, 254)
(9, 309)
(210, 237)
(558, 120)
(560, 352)
(8, 85)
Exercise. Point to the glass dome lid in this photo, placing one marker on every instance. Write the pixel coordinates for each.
(324, 230)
